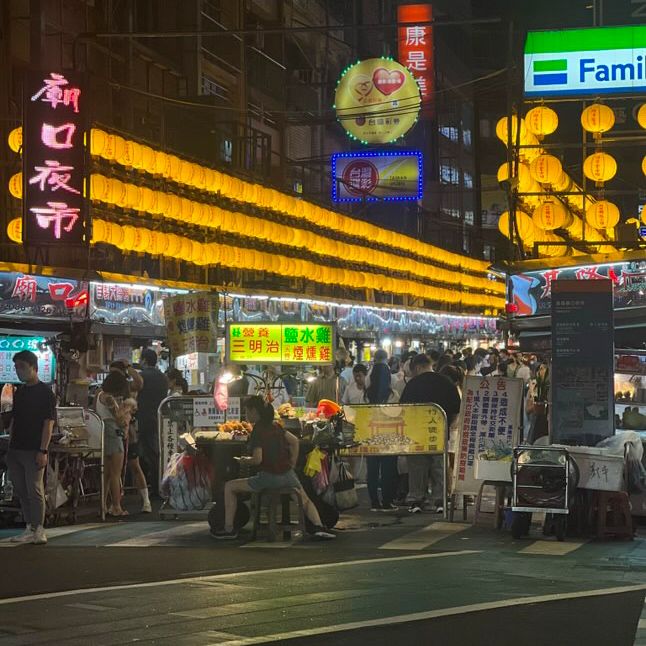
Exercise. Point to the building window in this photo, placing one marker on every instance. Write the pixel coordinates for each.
(467, 180)
(450, 132)
(226, 151)
(468, 217)
(210, 87)
(465, 242)
(466, 138)
(449, 174)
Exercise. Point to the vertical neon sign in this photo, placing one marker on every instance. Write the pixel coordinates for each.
(54, 159)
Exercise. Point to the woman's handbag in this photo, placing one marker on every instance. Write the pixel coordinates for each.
(345, 494)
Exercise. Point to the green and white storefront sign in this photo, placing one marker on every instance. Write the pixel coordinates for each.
(601, 60)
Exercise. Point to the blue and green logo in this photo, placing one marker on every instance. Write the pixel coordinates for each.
(550, 72)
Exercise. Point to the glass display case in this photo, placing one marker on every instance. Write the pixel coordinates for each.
(630, 390)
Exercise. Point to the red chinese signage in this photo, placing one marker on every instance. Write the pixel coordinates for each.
(54, 159)
(416, 49)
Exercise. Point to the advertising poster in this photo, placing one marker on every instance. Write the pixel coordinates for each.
(10, 345)
(489, 427)
(394, 429)
(532, 291)
(290, 343)
(54, 127)
(206, 413)
(377, 101)
(358, 177)
(583, 407)
(191, 322)
(124, 304)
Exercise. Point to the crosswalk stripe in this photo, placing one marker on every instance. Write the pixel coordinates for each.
(54, 532)
(425, 537)
(641, 624)
(552, 548)
(162, 536)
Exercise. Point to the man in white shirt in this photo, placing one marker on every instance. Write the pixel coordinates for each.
(356, 390)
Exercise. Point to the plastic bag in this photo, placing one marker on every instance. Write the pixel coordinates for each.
(187, 482)
(313, 462)
(345, 494)
(616, 444)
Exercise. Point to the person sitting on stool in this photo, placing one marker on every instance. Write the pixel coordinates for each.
(275, 451)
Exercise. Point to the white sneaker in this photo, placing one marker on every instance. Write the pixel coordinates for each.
(40, 538)
(147, 508)
(26, 537)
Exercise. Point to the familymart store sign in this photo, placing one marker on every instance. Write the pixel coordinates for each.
(602, 60)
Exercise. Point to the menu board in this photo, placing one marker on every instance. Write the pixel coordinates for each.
(488, 426)
(10, 345)
(192, 322)
(289, 343)
(206, 413)
(582, 362)
(394, 429)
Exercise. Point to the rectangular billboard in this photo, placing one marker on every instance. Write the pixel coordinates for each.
(532, 291)
(370, 177)
(278, 343)
(601, 60)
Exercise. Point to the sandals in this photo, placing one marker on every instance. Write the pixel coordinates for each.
(112, 512)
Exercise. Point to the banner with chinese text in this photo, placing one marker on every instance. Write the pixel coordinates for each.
(264, 343)
(488, 426)
(393, 176)
(416, 49)
(54, 158)
(394, 429)
(10, 345)
(192, 322)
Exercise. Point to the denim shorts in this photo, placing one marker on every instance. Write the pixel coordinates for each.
(265, 480)
(112, 440)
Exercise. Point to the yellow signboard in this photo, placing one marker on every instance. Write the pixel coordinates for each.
(192, 323)
(393, 429)
(377, 101)
(264, 343)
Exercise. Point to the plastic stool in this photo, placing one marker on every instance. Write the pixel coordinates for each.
(613, 514)
(502, 489)
(275, 498)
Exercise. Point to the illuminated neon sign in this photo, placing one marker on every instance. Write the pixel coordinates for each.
(54, 208)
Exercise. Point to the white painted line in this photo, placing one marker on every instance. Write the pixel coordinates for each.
(425, 537)
(445, 612)
(55, 532)
(88, 606)
(230, 575)
(255, 545)
(641, 624)
(160, 537)
(552, 548)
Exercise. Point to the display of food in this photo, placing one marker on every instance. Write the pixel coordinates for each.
(233, 430)
(387, 439)
(286, 411)
(498, 452)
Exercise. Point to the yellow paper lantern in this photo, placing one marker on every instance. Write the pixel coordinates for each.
(162, 204)
(116, 235)
(175, 209)
(117, 192)
(546, 169)
(132, 154)
(563, 184)
(174, 167)
(600, 167)
(14, 230)
(597, 119)
(199, 177)
(147, 201)
(15, 139)
(550, 215)
(502, 130)
(186, 170)
(162, 164)
(197, 252)
(133, 196)
(186, 210)
(130, 237)
(541, 120)
(174, 245)
(99, 188)
(99, 230)
(602, 215)
(15, 185)
(186, 248)
(644, 165)
(144, 240)
(147, 162)
(525, 226)
(525, 180)
(641, 116)
(160, 242)
(114, 147)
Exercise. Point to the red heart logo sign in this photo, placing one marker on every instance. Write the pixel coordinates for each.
(388, 81)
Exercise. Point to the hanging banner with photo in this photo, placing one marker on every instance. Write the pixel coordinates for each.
(397, 429)
(489, 428)
(192, 322)
(368, 177)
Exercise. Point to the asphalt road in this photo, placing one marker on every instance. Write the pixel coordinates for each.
(387, 576)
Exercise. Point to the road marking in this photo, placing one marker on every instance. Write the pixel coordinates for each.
(89, 606)
(641, 624)
(54, 532)
(432, 614)
(229, 575)
(425, 537)
(160, 537)
(552, 548)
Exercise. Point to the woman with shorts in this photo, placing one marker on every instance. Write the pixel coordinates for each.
(275, 451)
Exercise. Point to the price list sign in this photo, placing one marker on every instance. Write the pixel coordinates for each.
(54, 158)
(582, 361)
(11, 345)
(289, 343)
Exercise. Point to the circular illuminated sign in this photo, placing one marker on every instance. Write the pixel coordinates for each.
(360, 177)
(377, 101)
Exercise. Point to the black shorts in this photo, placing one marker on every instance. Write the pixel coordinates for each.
(133, 450)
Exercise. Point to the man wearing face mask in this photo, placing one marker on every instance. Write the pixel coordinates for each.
(34, 412)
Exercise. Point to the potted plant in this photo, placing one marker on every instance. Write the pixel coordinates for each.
(542, 390)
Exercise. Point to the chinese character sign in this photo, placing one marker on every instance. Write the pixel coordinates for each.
(191, 322)
(304, 343)
(54, 207)
(416, 49)
(488, 426)
(393, 176)
(10, 345)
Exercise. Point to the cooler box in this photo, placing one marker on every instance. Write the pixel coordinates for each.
(597, 470)
(493, 470)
